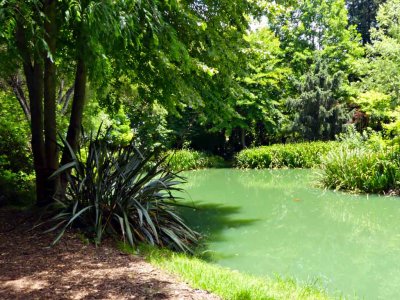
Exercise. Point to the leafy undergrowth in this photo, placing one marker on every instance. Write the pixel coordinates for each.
(186, 159)
(227, 284)
(16, 188)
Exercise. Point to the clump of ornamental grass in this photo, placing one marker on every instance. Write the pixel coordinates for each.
(362, 170)
(115, 190)
(364, 163)
(298, 155)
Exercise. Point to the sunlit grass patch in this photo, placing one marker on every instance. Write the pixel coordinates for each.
(226, 283)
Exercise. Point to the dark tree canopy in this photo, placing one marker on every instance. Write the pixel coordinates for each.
(319, 110)
(362, 13)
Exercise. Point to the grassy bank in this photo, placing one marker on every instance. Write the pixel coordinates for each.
(226, 283)
(186, 159)
(299, 155)
(362, 169)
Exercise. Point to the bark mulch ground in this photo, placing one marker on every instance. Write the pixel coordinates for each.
(29, 269)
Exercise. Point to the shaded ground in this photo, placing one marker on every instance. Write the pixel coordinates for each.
(71, 270)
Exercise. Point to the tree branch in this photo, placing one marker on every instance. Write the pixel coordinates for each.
(67, 98)
(60, 92)
(16, 84)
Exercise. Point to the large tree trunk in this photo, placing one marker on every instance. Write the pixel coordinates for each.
(40, 73)
(34, 78)
(50, 123)
(35, 87)
(78, 103)
(75, 123)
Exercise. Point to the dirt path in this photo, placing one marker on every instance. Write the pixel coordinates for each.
(71, 270)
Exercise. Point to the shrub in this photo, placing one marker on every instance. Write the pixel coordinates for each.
(16, 188)
(15, 154)
(362, 170)
(299, 155)
(115, 190)
(185, 159)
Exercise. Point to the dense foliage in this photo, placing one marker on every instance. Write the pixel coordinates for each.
(179, 53)
(186, 159)
(298, 155)
(362, 13)
(16, 178)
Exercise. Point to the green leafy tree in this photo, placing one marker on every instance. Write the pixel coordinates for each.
(254, 114)
(306, 26)
(376, 108)
(380, 71)
(169, 49)
(320, 111)
(266, 82)
(379, 84)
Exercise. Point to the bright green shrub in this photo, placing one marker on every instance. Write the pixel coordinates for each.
(16, 167)
(15, 153)
(185, 159)
(362, 170)
(299, 155)
(16, 188)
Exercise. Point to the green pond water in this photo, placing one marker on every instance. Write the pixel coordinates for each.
(275, 222)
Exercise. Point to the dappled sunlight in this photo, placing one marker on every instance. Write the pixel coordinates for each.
(24, 284)
(73, 270)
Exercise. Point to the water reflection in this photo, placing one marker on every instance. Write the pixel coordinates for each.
(266, 222)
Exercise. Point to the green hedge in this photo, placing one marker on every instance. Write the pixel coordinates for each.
(362, 170)
(185, 159)
(299, 155)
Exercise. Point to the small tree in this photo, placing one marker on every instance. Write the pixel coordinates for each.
(319, 109)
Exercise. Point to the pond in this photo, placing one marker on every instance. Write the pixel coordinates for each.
(275, 222)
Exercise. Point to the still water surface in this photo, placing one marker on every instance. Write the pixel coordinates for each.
(268, 222)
